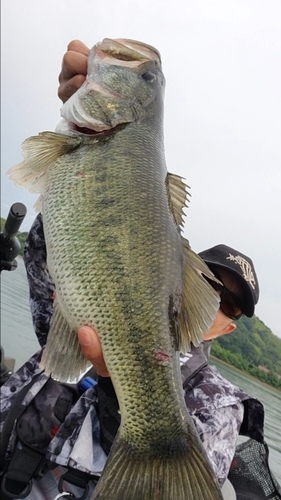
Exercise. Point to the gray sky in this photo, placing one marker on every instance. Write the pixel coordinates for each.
(222, 63)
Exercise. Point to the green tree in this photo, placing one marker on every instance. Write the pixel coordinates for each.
(251, 345)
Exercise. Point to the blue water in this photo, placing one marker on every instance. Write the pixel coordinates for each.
(19, 341)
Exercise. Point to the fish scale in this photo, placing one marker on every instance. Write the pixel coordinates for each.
(146, 259)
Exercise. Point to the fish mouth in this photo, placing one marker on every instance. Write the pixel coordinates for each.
(96, 133)
(130, 53)
(118, 52)
(85, 130)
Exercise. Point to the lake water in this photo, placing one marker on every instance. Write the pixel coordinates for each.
(19, 341)
(17, 334)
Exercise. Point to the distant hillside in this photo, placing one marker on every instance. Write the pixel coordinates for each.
(253, 348)
(21, 236)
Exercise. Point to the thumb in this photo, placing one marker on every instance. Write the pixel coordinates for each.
(91, 349)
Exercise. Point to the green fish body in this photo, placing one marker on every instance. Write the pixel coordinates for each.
(112, 219)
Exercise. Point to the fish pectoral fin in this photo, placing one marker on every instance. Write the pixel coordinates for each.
(62, 357)
(178, 196)
(200, 302)
(39, 153)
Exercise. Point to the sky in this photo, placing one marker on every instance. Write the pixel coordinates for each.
(222, 64)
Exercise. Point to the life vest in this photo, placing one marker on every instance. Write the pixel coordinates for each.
(37, 410)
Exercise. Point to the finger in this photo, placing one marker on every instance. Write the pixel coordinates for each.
(78, 46)
(68, 88)
(73, 63)
(91, 349)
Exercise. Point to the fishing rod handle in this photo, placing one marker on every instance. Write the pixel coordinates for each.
(14, 220)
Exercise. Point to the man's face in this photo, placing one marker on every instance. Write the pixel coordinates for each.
(223, 324)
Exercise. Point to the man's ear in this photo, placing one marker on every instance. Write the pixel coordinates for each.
(229, 328)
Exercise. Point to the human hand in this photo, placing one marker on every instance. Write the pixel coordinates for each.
(74, 69)
(91, 349)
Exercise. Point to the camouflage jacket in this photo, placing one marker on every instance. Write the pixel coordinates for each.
(219, 409)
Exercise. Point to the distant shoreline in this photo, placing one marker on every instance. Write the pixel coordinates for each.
(245, 373)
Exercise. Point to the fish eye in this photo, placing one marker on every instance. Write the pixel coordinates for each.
(149, 76)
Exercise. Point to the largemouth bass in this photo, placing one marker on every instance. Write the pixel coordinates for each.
(112, 218)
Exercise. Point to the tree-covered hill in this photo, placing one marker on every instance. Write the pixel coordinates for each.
(250, 346)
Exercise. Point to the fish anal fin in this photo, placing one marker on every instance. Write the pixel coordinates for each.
(200, 302)
(39, 153)
(178, 196)
(62, 357)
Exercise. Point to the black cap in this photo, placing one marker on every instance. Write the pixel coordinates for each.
(241, 267)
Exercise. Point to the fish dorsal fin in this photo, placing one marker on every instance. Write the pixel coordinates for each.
(39, 153)
(178, 196)
(200, 302)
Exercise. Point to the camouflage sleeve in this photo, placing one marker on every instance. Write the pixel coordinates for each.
(218, 409)
(41, 286)
(218, 431)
